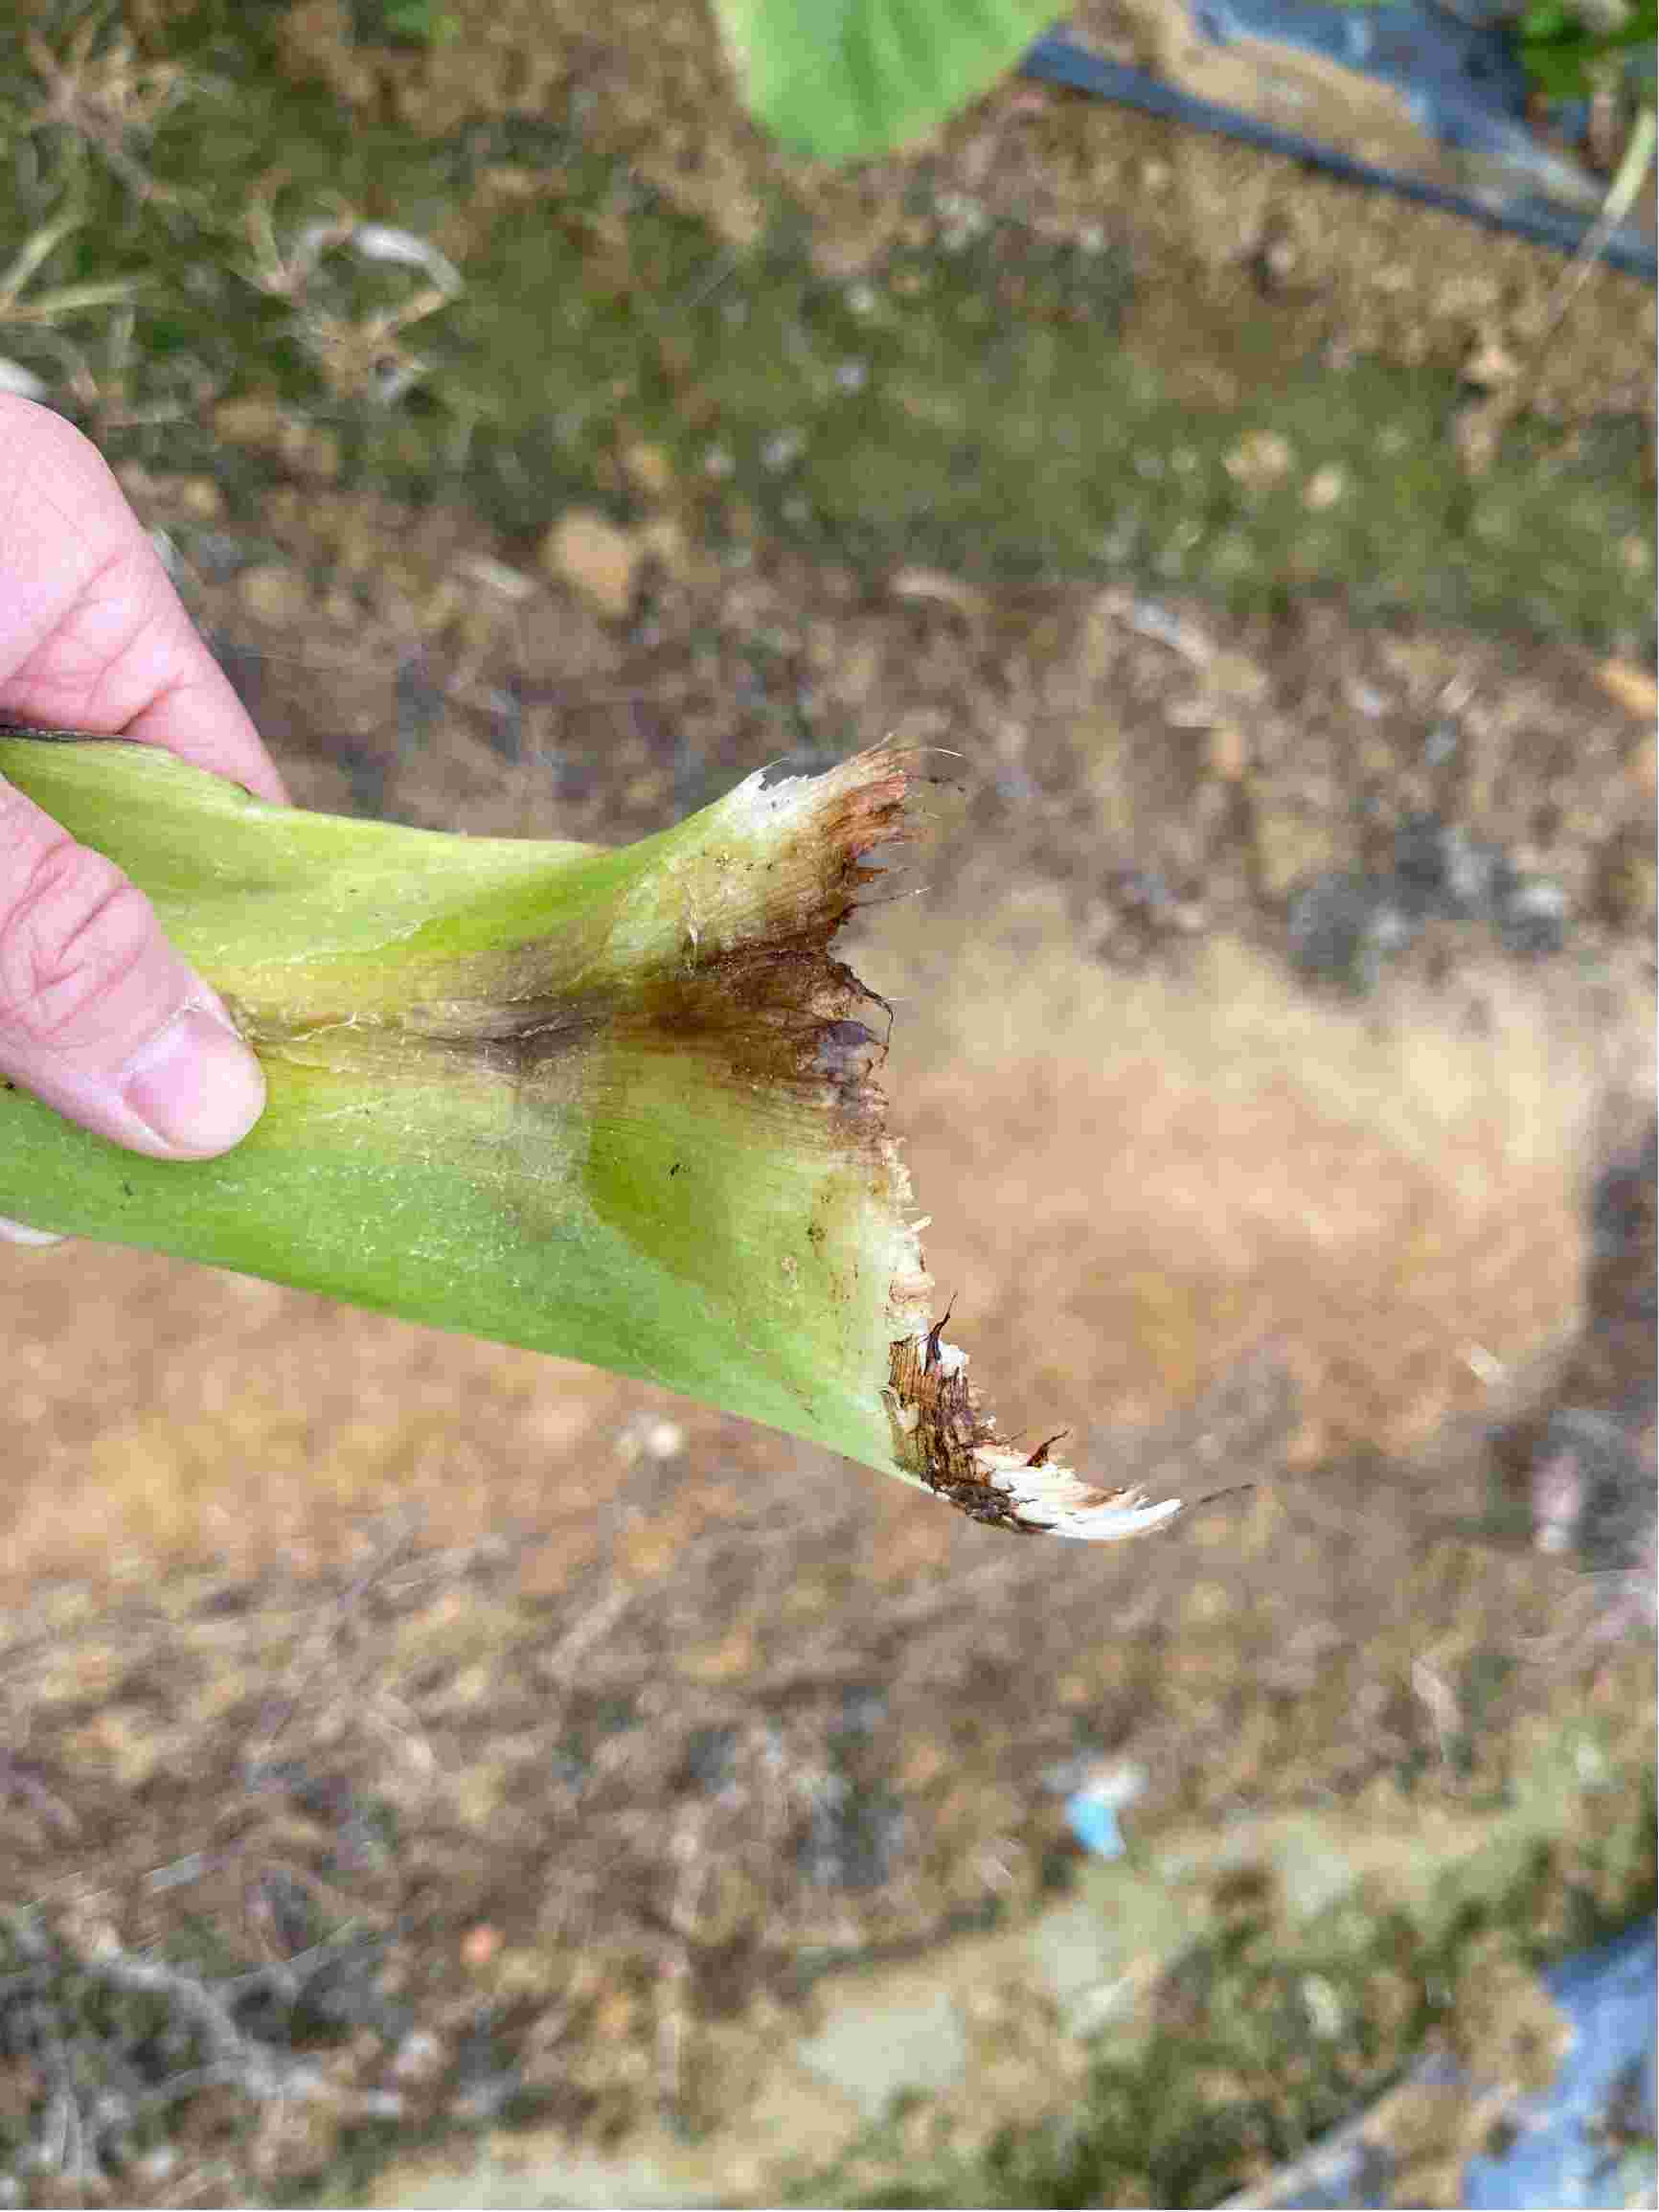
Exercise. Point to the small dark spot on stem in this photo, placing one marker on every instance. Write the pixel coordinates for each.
(938, 1331)
(846, 1050)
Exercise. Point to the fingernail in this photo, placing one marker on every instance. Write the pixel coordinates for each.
(197, 1089)
(20, 1233)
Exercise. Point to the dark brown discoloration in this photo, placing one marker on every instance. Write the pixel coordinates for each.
(847, 1054)
(934, 1334)
(941, 1436)
(513, 1041)
(772, 1023)
(773, 1012)
(777, 1013)
(950, 1426)
(770, 1000)
(779, 1008)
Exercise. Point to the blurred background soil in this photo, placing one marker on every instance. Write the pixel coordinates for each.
(1278, 982)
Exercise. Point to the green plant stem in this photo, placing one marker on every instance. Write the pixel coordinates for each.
(622, 1105)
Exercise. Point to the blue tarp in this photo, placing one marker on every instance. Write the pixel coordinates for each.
(1582, 2141)
(1459, 80)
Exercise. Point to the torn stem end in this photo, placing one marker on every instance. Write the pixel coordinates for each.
(943, 1440)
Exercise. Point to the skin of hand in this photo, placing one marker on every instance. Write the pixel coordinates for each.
(98, 1016)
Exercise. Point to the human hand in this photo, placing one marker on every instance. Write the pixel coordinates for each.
(98, 1016)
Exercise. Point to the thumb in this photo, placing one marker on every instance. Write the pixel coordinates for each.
(98, 1016)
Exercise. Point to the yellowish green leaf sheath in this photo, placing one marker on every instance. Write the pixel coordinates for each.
(622, 1105)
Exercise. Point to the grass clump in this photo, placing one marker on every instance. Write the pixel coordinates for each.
(1264, 2040)
(993, 390)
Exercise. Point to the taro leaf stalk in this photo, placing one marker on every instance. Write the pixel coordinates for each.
(622, 1105)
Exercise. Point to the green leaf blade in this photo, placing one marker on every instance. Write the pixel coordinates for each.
(858, 80)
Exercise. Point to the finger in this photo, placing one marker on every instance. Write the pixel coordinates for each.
(91, 634)
(98, 1016)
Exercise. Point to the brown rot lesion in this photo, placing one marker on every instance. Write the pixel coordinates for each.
(939, 1430)
(943, 1440)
